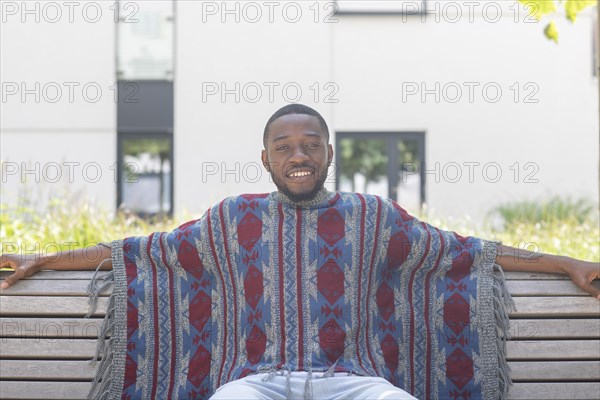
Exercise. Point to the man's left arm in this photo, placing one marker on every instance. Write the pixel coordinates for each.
(582, 273)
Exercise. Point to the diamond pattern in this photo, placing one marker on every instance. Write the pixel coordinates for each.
(456, 313)
(332, 338)
(459, 368)
(390, 349)
(330, 226)
(256, 343)
(200, 310)
(253, 286)
(189, 258)
(249, 231)
(330, 281)
(385, 300)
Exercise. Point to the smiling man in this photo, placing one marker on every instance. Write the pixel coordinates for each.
(305, 293)
(297, 151)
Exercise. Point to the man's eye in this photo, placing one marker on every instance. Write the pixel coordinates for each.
(313, 145)
(279, 148)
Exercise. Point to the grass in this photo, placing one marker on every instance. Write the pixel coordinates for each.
(62, 228)
(556, 226)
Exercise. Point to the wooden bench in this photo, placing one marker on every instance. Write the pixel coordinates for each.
(46, 344)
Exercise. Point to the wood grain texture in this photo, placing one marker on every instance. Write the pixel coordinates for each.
(50, 390)
(39, 287)
(48, 348)
(544, 288)
(47, 370)
(536, 276)
(567, 328)
(555, 391)
(556, 306)
(50, 327)
(61, 275)
(45, 306)
(554, 350)
(555, 371)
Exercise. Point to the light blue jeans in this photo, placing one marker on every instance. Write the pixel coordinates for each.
(295, 385)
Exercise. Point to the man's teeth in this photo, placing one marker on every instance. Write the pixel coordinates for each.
(300, 174)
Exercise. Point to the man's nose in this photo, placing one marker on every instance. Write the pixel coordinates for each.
(299, 154)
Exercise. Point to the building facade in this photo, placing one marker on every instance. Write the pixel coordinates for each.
(160, 106)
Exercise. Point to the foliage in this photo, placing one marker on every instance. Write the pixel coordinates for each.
(555, 226)
(64, 227)
(366, 157)
(553, 209)
(541, 8)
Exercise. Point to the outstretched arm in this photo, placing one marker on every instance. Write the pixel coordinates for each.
(582, 273)
(81, 259)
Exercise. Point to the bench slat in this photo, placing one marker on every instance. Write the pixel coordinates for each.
(567, 328)
(535, 276)
(47, 305)
(47, 370)
(553, 350)
(50, 327)
(554, 371)
(563, 390)
(50, 390)
(39, 287)
(544, 288)
(556, 306)
(58, 275)
(48, 348)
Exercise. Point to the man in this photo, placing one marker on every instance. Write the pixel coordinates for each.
(305, 293)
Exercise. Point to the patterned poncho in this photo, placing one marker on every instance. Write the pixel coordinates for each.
(344, 282)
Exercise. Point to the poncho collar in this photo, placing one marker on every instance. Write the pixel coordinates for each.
(323, 198)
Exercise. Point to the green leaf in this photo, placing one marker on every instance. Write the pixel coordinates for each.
(539, 8)
(551, 32)
(574, 7)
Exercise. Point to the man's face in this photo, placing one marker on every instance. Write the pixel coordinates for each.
(297, 156)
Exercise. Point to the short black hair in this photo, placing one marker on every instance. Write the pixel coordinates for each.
(295, 108)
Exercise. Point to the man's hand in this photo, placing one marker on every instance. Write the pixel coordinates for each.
(582, 273)
(86, 259)
(23, 265)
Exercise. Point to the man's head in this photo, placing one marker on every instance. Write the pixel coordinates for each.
(297, 151)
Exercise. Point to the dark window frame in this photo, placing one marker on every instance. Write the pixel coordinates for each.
(391, 138)
(133, 134)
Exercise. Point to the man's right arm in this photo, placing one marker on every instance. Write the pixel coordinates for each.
(25, 265)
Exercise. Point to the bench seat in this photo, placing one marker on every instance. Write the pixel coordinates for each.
(46, 344)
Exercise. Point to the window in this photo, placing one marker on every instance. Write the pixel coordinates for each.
(145, 173)
(382, 163)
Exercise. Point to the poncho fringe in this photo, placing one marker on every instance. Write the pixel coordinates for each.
(112, 336)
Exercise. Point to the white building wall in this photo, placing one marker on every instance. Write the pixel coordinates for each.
(373, 59)
(58, 124)
(218, 137)
(557, 135)
(370, 58)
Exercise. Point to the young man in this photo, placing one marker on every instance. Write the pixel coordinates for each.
(305, 293)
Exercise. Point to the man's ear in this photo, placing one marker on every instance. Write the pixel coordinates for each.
(265, 160)
(329, 155)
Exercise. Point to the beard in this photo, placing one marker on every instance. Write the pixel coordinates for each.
(320, 178)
